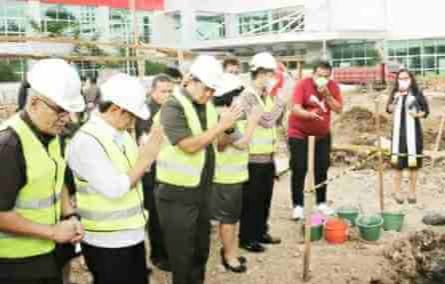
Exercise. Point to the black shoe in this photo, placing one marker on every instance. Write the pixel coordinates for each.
(242, 259)
(162, 264)
(241, 268)
(252, 246)
(268, 239)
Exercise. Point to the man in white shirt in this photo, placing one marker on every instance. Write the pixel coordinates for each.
(108, 168)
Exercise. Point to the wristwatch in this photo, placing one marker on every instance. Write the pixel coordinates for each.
(67, 217)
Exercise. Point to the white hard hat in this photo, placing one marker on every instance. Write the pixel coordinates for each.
(228, 83)
(208, 70)
(126, 92)
(263, 60)
(59, 82)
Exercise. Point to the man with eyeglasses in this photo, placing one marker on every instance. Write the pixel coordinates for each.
(33, 196)
(161, 89)
(108, 167)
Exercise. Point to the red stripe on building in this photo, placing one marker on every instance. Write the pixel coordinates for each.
(147, 5)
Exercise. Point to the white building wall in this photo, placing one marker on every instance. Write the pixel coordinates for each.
(354, 15)
(345, 15)
(164, 32)
(415, 19)
(231, 6)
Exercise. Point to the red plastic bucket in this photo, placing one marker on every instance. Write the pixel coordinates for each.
(336, 231)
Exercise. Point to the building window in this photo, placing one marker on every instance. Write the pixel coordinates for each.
(145, 28)
(255, 23)
(210, 27)
(357, 54)
(13, 19)
(272, 21)
(68, 20)
(121, 25)
(422, 57)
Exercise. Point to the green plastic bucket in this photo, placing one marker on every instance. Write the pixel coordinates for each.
(393, 221)
(348, 213)
(369, 227)
(316, 232)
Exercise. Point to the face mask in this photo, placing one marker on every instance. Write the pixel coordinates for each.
(404, 85)
(270, 84)
(321, 82)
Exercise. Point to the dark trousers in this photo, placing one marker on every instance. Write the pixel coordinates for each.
(117, 265)
(257, 199)
(34, 281)
(298, 165)
(185, 220)
(158, 251)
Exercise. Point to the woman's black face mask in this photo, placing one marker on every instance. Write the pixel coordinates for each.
(227, 98)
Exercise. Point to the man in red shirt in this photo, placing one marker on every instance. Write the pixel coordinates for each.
(313, 100)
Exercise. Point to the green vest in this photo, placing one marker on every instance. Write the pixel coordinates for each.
(39, 200)
(177, 167)
(231, 166)
(102, 214)
(264, 139)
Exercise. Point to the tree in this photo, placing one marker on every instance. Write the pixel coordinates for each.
(154, 68)
(7, 73)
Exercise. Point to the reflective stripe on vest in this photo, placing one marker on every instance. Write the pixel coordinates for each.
(175, 166)
(39, 203)
(98, 212)
(231, 166)
(39, 199)
(264, 139)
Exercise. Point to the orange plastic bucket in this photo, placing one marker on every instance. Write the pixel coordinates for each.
(336, 231)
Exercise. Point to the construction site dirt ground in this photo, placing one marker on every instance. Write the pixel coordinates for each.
(355, 261)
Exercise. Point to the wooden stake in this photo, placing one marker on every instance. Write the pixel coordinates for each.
(180, 58)
(438, 139)
(308, 204)
(379, 146)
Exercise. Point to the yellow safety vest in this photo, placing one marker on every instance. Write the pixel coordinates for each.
(39, 200)
(177, 167)
(231, 166)
(103, 214)
(264, 139)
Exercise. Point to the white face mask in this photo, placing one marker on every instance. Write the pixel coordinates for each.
(404, 85)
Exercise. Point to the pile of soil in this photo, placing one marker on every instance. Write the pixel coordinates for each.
(418, 258)
(430, 137)
(362, 120)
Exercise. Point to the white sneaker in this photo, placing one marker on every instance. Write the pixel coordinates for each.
(298, 213)
(326, 210)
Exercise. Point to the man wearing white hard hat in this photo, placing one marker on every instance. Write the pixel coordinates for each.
(258, 190)
(108, 167)
(185, 169)
(33, 195)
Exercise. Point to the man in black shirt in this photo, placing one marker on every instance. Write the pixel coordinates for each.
(33, 195)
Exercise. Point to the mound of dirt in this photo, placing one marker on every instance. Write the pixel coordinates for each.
(361, 119)
(417, 259)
